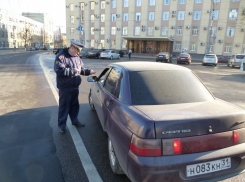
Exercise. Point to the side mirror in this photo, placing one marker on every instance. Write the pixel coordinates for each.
(92, 79)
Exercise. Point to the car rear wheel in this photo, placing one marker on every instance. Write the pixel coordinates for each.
(111, 57)
(203, 64)
(90, 101)
(115, 166)
(119, 57)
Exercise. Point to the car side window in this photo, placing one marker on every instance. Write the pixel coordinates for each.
(103, 76)
(112, 51)
(112, 81)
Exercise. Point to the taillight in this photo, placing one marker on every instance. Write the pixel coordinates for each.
(172, 146)
(157, 55)
(188, 58)
(235, 137)
(145, 147)
(177, 57)
(234, 60)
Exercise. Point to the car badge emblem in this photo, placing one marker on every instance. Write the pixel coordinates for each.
(176, 131)
(210, 129)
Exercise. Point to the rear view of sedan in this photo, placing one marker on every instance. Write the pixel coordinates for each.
(163, 124)
(210, 59)
(184, 58)
(110, 54)
(164, 57)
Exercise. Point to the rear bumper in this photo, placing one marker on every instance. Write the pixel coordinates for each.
(161, 59)
(173, 168)
(237, 63)
(183, 61)
(105, 56)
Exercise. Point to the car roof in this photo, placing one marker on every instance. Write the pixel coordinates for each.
(142, 66)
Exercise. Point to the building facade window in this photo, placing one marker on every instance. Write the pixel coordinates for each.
(92, 43)
(113, 17)
(137, 31)
(150, 30)
(165, 15)
(102, 30)
(178, 46)
(102, 17)
(216, 1)
(114, 4)
(82, 6)
(179, 30)
(72, 31)
(102, 5)
(151, 16)
(102, 43)
(124, 43)
(113, 30)
(138, 3)
(166, 2)
(125, 16)
(152, 2)
(113, 44)
(91, 5)
(182, 1)
(230, 31)
(125, 3)
(92, 31)
(72, 19)
(243, 49)
(71, 7)
(233, 14)
(92, 18)
(228, 48)
(181, 15)
(193, 46)
(215, 14)
(211, 47)
(198, 1)
(195, 30)
(213, 31)
(164, 30)
(125, 30)
(137, 16)
(197, 15)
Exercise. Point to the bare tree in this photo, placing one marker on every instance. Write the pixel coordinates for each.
(26, 34)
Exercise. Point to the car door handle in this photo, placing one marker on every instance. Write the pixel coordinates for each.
(107, 103)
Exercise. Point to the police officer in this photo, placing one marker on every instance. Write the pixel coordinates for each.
(68, 67)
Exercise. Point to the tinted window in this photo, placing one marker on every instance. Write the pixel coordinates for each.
(210, 56)
(112, 80)
(103, 76)
(166, 87)
(162, 53)
(183, 55)
(240, 56)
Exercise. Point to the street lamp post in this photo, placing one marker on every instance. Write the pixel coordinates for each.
(211, 25)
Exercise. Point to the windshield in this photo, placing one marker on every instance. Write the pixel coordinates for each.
(166, 87)
(183, 55)
(240, 56)
(162, 53)
(106, 51)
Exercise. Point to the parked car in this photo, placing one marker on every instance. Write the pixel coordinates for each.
(164, 57)
(236, 60)
(110, 54)
(223, 59)
(83, 53)
(31, 49)
(94, 53)
(162, 126)
(123, 52)
(37, 48)
(210, 59)
(184, 58)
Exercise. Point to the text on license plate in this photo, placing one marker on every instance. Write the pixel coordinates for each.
(160, 56)
(208, 167)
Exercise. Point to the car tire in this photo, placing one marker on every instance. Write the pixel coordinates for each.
(90, 101)
(232, 65)
(215, 65)
(111, 58)
(203, 64)
(115, 166)
(119, 57)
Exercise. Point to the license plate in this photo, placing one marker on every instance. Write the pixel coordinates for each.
(182, 58)
(208, 167)
(160, 56)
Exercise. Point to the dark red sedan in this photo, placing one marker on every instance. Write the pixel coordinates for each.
(224, 59)
(184, 58)
(163, 124)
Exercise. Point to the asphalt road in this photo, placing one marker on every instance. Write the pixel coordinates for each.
(31, 147)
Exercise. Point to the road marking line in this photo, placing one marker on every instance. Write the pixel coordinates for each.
(87, 163)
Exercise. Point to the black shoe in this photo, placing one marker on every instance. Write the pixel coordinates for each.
(78, 124)
(62, 130)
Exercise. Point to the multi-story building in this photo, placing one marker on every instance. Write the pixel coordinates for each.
(151, 26)
(59, 39)
(47, 32)
(14, 27)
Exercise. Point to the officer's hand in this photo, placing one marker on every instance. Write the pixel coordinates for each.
(77, 71)
(92, 72)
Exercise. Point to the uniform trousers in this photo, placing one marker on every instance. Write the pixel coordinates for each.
(68, 104)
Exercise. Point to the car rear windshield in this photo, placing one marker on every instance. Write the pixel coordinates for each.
(183, 55)
(240, 56)
(106, 51)
(166, 87)
(210, 56)
(163, 53)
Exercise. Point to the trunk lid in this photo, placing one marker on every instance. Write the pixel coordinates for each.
(194, 119)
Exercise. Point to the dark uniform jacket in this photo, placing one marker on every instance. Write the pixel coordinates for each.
(66, 76)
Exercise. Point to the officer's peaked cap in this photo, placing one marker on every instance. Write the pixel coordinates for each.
(77, 44)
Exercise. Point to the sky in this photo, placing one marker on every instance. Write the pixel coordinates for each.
(55, 9)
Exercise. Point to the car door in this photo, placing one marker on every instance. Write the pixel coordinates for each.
(113, 54)
(98, 95)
